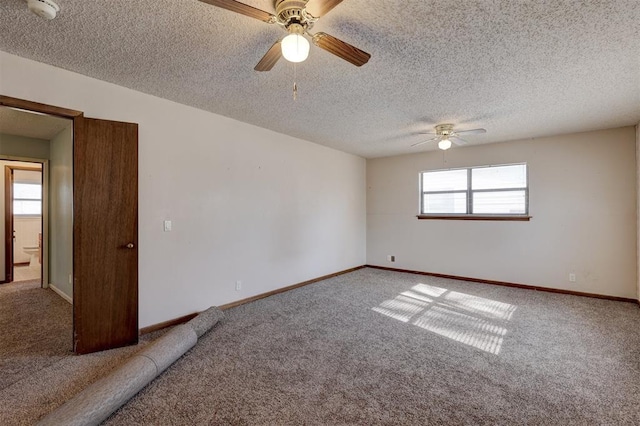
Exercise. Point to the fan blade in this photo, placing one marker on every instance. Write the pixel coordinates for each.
(423, 142)
(471, 132)
(341, 49)
(457, 140)
(270, 58)
(244, 9)
(318, 8)
(427, 133)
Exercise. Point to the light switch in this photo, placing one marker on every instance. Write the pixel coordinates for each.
(167, 225)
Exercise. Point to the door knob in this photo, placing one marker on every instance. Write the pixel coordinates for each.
(130, 245)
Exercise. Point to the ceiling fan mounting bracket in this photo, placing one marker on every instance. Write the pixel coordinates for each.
(444, 129)
(289, 12)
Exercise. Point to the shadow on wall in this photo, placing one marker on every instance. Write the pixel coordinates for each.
(474, 321)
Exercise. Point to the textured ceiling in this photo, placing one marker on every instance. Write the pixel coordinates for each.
(520, 69)
(38, 126)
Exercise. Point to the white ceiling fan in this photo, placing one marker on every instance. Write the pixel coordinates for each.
(445, 135)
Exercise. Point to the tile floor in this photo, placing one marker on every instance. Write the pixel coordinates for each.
(25, 273)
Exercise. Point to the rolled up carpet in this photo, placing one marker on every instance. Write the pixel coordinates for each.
(98, 401)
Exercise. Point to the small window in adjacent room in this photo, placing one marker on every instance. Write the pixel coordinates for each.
(490, 192)
(27, 199)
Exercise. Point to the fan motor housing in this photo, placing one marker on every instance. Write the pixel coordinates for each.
(290, 10)
(444, 129)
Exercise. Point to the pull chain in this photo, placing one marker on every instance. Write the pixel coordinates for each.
(295, 85)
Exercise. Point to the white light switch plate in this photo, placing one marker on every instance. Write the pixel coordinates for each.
(167, 225)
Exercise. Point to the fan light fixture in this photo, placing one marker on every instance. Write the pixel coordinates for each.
(444, 134)
(295, 48)
(444, 144)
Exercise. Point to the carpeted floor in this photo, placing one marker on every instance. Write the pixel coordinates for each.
(36, 330)
(38, 371)
(379, 347)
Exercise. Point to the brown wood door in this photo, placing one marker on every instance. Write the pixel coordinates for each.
(105, 235)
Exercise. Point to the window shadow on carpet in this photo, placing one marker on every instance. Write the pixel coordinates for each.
(471, 320)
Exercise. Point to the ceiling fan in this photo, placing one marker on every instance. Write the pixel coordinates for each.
(297, 17)
(445, 135)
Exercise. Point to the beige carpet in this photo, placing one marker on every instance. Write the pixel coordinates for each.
(378, 347)
(38, 371)
(36, 330)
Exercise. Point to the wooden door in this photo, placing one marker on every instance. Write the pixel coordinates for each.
(105, 235)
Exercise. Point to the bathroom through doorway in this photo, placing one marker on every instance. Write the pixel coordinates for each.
(23, 187)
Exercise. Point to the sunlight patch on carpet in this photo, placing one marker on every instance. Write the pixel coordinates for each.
(471, 320)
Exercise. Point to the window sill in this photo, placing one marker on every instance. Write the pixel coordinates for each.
(521, 218)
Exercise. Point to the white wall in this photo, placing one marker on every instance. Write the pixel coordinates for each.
(20, 146)
(582, 199)
(27, 230)
(246, 203)
(61, 211)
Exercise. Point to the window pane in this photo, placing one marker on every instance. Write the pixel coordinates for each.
(27, 207)
(452, 203)
(504, 202)
(500, 177)
(446, 180)
(29, 191)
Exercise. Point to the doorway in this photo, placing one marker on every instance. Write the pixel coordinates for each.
(24, 221)
(104, 243)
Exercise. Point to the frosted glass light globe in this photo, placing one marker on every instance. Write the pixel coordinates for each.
(295, 48)
(444, 144)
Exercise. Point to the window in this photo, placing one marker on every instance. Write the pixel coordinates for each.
(478, 192)
(27, 199)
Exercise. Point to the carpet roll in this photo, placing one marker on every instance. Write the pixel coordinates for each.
(98, 401)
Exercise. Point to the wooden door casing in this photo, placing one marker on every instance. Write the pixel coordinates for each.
(8, 222)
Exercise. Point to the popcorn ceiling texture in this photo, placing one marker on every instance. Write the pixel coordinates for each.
(13, 122)
(520, 69)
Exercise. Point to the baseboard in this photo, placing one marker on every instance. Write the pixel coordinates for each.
(165, 324)
(288, 288)
(183, 319)
(508, 284)
(60, 293)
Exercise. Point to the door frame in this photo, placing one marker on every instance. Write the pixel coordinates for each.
(79, 141)
(77, 117)
(8, 215)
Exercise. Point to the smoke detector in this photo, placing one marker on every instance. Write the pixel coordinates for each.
(46, 9)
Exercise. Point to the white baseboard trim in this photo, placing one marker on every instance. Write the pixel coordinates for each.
(60, 293)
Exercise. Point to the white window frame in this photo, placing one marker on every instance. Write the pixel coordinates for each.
(469, 215)
(28, 199)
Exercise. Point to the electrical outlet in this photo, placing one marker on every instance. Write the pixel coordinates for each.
(391, 258)
(572, 277)
(238, 285)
